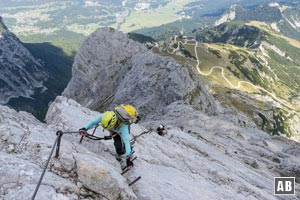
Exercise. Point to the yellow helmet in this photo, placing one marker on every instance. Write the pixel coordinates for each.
(109, 120)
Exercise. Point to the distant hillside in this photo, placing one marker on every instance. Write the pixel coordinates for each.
(272, 51)
(290, 25)
(21, 74)
(264, 13)
(232, 33)
(185, 26)
(261, 72)
(140, 38)
(283, 17)
(32, 74)
(158, 19)
(58, 66)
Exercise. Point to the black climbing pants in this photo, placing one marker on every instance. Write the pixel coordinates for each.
(119, 146)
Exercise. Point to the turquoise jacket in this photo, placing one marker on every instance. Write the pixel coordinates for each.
(123, 131)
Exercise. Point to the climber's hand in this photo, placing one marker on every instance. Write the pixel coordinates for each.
(83, 132)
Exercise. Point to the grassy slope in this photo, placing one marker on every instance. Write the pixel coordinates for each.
(242, 64)
(280, 75)
(266, 27)
(68, 41)
(140, 19)
(211, 55)
(287, 70)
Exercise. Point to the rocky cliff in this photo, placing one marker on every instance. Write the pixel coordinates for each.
(110, 68)
(213, 160)
(203, 156)
(100, 65)
(20, 72)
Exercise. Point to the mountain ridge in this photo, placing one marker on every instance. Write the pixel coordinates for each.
(21, 73)
(135, 73)
(281, 18)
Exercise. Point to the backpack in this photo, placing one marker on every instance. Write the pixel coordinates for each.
(127, 114)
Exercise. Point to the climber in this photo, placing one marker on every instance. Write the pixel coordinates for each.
(161, 130)
(117, 122)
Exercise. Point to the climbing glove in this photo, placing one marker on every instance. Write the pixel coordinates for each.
(82, 131)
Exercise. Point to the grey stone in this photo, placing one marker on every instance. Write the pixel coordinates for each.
(100, 65)
(97, 176)
(110, 69)
(20, 72)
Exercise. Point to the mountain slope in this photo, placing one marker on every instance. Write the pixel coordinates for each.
(21, 73)
(32, 74)
(290, 25)
(272, 56)
(225, 161)
(247, 65)
(58, 66)
(282, 17)
(64, 23)
(110, 68)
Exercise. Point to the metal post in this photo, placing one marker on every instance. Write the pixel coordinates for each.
(81, 139)
(95, 129)
(59, 135)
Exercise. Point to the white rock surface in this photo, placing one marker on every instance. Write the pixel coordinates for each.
(31, 142)
(227, 16)
(100, 65)
(209, 158)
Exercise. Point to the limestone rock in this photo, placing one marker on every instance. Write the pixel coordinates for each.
(97, 175)
(100, 65)
(110, 69)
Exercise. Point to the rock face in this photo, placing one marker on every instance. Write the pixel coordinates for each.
(100, 65)
(110, 69)
(210, 158)
(155, 82)
(227, 16)
(20, 72)
(79, 173)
